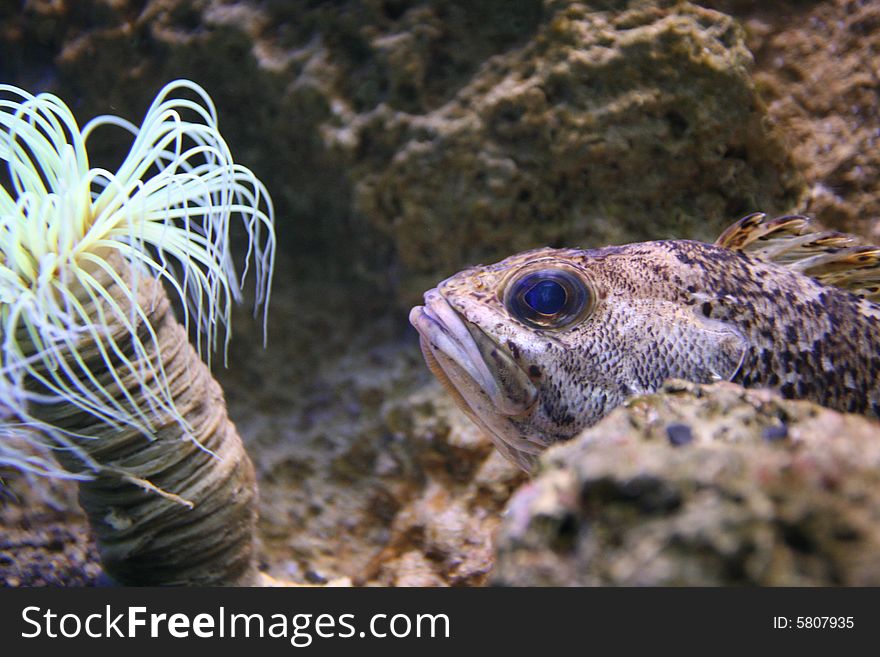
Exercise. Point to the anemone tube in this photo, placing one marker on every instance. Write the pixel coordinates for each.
(93, 363)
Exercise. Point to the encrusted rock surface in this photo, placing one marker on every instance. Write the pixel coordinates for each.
(432, 135)
(604, 127)
(816, 67)
(702, 485)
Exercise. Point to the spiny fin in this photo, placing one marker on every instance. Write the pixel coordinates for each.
(794, 241)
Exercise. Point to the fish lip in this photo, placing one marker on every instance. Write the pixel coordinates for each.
(444, 329)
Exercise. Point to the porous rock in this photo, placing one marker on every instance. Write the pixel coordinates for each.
(604, 127)
(768, 492)
(405, 140)
(815, 67)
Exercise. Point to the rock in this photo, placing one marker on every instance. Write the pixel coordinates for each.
(408, 494)
(405, 140)
(813, 68)
(768, 492)
(602, 128)
(282, 74)
(45, 537)
(367, 469)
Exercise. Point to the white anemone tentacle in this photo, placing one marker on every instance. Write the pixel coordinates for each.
(167, 211)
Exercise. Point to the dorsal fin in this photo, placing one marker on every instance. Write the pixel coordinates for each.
(794, 241)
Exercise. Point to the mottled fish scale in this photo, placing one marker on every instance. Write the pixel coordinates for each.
(809, 340)
(617, 321)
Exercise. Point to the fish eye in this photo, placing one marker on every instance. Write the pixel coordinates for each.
(549, 298)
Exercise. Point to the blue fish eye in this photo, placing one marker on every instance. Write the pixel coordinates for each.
(548, 298)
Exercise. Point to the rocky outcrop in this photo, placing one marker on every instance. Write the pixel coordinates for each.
(815, 67)
(702, 485)
(604, 127)
(405, 140)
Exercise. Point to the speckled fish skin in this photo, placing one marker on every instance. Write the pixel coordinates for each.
(660, 310)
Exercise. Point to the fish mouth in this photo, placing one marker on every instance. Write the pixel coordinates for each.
(483, 378)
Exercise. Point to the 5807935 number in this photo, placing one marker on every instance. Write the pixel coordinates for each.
(813, 622)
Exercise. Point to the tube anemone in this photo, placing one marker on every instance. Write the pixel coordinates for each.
(93, 363)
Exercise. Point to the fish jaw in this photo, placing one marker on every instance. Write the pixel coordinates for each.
(484, 380)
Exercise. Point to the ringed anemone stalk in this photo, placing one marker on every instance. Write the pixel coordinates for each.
(93, 363)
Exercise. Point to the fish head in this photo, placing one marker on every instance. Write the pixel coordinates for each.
(496, 337)
(545, 343)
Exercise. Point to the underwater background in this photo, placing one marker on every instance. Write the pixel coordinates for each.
(402, 141)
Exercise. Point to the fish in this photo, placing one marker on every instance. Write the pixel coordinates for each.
(543, 344)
